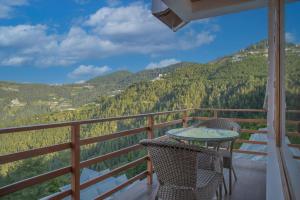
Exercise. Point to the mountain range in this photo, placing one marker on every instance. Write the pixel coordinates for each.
(18, 100)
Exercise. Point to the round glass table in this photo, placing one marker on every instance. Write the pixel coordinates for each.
(202, 134)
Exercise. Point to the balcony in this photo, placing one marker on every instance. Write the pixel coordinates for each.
(251, 173)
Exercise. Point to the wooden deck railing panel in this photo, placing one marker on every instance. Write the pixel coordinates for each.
(113, 172)
(293, 134)
(33, 181)
(165, 124)
(294, 145)
(60, 195)
(250, 152)
(102, 138)
(33, 152)
(110, 155)
(150, 135)
(250, 142)
(80, 122)
(75, 144)
(231, 110)
(259, 121)
(253, 131)
(75, 178)
(123, 185)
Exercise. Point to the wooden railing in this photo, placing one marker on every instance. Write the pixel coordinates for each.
(76, 143)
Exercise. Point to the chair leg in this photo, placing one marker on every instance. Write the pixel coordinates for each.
(220, 192)
(234, 174)
(225, 187)
(230, 175)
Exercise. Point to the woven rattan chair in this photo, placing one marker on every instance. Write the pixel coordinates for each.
(185, 172)
(226, 147)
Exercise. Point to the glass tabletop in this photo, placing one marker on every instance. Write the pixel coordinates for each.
(203, 134)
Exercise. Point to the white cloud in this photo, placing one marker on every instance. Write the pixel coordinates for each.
(109, 31)
(7, 7)
(88, 71)
(131, 20)
(80, 82)
(204, 37)
(80, 44)
(23, 35)
(290, 37)
(15, 61)
(162, 63)
(135, 29)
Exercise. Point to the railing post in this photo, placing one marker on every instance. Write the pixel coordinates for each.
(75, 183)
(185, 119)
(150, 135)
(215, 114)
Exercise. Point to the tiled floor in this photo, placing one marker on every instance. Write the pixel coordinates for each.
(251, 184)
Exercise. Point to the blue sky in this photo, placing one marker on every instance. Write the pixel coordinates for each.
(68, 41)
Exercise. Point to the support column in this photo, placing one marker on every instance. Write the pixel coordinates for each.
(150, 135)
(185, 119)
(75, 178)
(276, 87)
(276, 185)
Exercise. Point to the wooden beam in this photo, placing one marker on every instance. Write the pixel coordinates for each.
(251, 142)
(33, 152)
(33, 181)
(89, 121)
(250, 152)
(113, 172)
(75, 179)
(253, 131)
(165, 124)
(276, 52)
(294, 145)
(231, 110)
(110, 155)
(185, 119)
(150, 135)
(293, 134)
(296, 157)
(60, 195)
(112, 136)
(215, 114)
(248, 120)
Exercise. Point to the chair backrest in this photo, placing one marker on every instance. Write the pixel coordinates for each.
(221, 124)
(175, 163)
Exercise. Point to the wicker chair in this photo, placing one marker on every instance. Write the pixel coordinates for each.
(185, 172)
(226, 147)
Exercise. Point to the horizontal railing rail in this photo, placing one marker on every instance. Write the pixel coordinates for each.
(75, 144)
(81, 122)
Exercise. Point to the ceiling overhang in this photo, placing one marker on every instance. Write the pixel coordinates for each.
(189, 10)
(176, 13)
(166, 15)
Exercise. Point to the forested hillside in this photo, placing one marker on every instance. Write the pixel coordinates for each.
(236, 81)
(19, 100)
